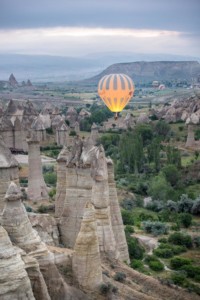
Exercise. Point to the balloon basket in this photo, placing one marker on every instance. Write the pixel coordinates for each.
(116, 116)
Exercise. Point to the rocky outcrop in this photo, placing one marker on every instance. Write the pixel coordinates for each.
(100, 200)
(12, 81)
(8, 171)
(61, 182)
(94, 133)
(116, 218)
(14, 281)
(46, 227)
(39, 128)
(62, 134)
(78, 192)
(86, 259)
(37, 189)
(71, 115)
(18, 226)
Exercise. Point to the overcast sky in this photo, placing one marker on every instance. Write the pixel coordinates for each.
(80, 27)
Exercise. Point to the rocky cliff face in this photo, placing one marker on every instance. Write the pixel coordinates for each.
(86, 259)
(8, 171)
(88, 179)
(14, 281)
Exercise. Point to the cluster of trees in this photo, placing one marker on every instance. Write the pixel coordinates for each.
(99, 114)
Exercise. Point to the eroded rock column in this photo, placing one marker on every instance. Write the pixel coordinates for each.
(116, 218)
(86, 260)
(14, 281)
(37, 189)
(190, 137)
(101, 202)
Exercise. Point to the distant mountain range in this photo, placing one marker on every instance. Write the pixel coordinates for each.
(148, 71)
(41, 68)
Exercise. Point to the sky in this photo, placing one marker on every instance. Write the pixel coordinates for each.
(80, 27)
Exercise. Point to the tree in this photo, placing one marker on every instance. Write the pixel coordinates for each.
(160, 189)
(162, 129)
(153, 153)
(171, 174)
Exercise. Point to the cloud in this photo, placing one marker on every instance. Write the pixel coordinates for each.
(77, 41)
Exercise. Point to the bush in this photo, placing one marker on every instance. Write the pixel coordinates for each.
(72, 133)
(163, 240)
(177, 262)
(175, 249)
(156, 266)
(185, 219)
(28, 208)
(50, 178)
(136, 264)
(154, 263)
(129, 229)
(155, 206)
(52, 193)
(149, 258)
(196, 207)
(164, 253)
(104, 288)
(42, 209)
(120, 276)
(172, 206)
(127, 217)
(156, 228)
(191, 271)
(135, 249)
(128, 204)
(196, 241)
(178, 278)
(178, 238)
(185, 204)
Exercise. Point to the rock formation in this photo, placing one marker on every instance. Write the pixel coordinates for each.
(86, 259)
(20, 231)
(14, 281)
(61, 182)
(71, 116)
(94, 133)
(78, 192)
(37, 189)
(116, 218)
(86, 176)
(62, 134)
(12, 81)
(8, 171)
(39, 128)
(100, 200)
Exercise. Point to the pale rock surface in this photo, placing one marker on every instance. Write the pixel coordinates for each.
(116, 218)
(8, 171)
(94, 133)
(37, 189)
(39, 128)
(101, 202)
(143, 118)
(61, 181)
(14, 281)
(62, 134)
(15, 221)
(86, 259)
(46, 227)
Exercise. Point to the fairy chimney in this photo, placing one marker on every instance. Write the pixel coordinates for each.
(37, 189)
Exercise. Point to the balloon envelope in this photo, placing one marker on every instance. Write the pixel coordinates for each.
(116, 90)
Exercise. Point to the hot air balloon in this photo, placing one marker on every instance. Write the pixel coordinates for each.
(116, 90)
